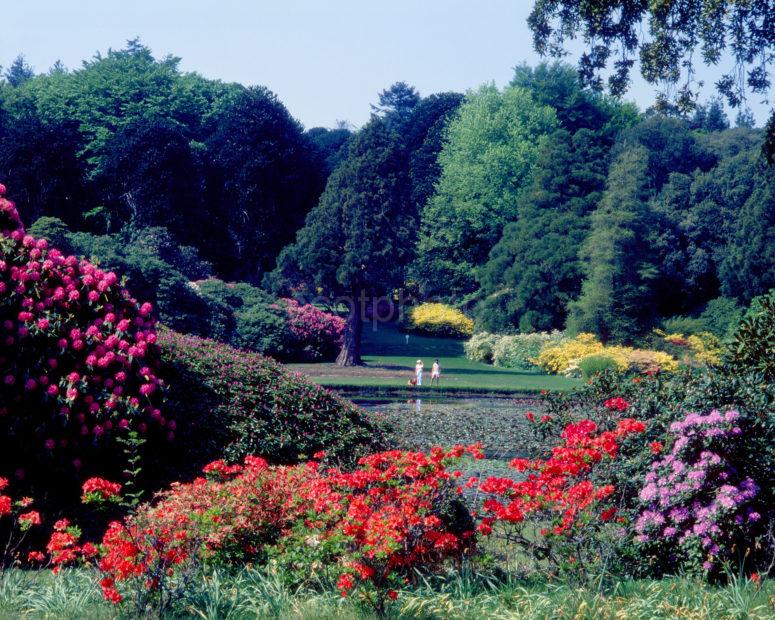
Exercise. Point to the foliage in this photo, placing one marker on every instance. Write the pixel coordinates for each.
(78, 357)
(16, 520)
(239, 403)
(521, 350)
(533, 270)
(696, 507)
(567, 356)
(316, 334)
(554, 511)
(590, 365)
(491, 146)
(676, 32)
(753, 344)
(395, 514)
(436, 319)
(263, 177)
(719, 317)
(614, 300)
(479, 348)
(358, 240)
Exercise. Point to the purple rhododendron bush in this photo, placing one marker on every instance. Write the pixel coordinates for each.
(78, 362)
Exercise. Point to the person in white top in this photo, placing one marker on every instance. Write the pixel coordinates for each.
(418, 371)
(436, 372)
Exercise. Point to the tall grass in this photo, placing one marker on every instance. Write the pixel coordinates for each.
(251, 594)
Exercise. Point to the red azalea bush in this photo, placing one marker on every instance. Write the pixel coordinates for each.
(396, 513)
(16, 520)
(556, 510)
(78, 356)
(316, 334)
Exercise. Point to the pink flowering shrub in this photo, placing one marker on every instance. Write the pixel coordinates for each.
(695, 506)
(316, 334)
(78, 357)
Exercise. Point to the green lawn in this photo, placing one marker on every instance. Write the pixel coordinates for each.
(389, 364)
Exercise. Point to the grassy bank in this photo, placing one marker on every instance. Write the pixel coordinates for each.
(389, 362)
(253, 595)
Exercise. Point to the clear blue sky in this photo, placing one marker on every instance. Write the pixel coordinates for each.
(325, 60)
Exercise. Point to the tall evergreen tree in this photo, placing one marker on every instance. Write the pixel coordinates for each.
(616, 295)
(357, 241)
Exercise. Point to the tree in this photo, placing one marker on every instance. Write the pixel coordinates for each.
(533, 272)
(710, 117)
(149, 177)
(41, 162)
(19, 72)
(748, 266)
(615, 300)
(329, 144)
(676, 32)
(398, 100)
(111, 91)
(263, 177)
(422, 141)
(357, 241)
(492, 144)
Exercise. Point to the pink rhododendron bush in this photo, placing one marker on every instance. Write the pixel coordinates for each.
(78, 360)
(316, 334)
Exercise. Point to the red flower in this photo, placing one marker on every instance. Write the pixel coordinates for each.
(99, 489)
(656, 447)
(616, 404)
(530, 416)
(345, 583)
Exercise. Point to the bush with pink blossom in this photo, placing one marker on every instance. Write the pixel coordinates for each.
(78, 359)
(696, 507)
(316, 334)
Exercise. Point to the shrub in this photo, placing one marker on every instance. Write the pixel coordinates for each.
(316, 334)
(645, 360)
(566, 357)
(699, 349)
(238, 403)
(521, 350)
(555, 512)
(720, 317)
(141, 257)
(396, 514)
(753, 346)
(590, 365)
(436, 319)
(563, 357)
(480, 347)
(696, 507)
(78, 359)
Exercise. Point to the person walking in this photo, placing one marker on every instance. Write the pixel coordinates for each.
(418, 371)
(436, 373)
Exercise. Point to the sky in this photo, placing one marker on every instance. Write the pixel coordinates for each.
(326, 61)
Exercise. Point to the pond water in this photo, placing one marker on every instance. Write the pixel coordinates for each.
(498, 423)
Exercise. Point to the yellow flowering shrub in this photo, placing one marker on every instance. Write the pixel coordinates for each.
(706, 348)
(644, 360)
(698, 349)
(436, 319)
(564, 357)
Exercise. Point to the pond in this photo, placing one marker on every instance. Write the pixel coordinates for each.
(498, 423)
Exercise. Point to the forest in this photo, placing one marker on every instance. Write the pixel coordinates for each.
(538, 206)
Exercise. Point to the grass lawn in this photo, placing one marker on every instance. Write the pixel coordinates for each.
(389, 364)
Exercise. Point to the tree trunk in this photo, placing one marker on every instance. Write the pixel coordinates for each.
(350, 355)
